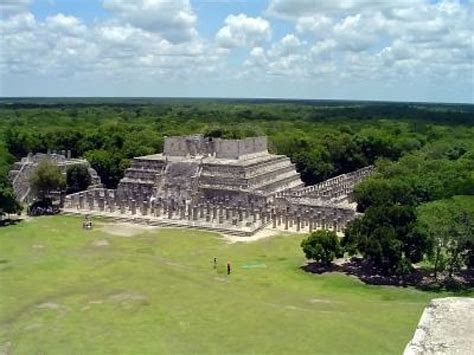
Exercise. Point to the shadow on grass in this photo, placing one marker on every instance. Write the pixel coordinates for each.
(10, 222)
(419, 278)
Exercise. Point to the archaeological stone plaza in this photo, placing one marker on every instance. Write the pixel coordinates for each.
(230, 186)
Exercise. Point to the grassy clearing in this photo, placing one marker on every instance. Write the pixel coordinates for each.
(66, 290)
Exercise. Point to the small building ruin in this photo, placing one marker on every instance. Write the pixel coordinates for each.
(21, 171)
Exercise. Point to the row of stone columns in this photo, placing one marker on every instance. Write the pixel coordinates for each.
(310, 219)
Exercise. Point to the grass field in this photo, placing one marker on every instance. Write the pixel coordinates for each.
(69, 291)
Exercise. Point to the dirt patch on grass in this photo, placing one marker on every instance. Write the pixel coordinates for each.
(100, 243)
(262, 234)
(319, 301)
(49, 305)
(124, 229)
(127, 298)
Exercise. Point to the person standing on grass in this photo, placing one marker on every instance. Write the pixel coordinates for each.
(228, 268)
(215, 263)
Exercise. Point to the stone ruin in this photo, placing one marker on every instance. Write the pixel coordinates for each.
(231, 186)
(445, 327)
(21, 172)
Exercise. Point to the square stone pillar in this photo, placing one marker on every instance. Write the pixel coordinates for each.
(298, 223)
(81, 201)
(195, 213)
(133, 208)
(208, 211)
(145, 208)
(221, 215)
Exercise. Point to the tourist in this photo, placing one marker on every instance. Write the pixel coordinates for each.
(228, 268)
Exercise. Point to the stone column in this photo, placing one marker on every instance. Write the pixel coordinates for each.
(214, 213)
(274, 220)
(91, 202)
(285, 218)
(221, 215)
(298, 223)
(145, 208)
(195, 213)
(133, 207)
(157, 209)
(246, 212)
(81, 201)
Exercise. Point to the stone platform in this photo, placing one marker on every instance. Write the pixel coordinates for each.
(446, 327)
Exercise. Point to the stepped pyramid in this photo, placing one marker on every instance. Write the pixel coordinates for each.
(202, 169)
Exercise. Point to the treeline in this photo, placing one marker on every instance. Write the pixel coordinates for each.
(110, 135)
(419, 208)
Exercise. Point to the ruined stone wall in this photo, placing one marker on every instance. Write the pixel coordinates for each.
(220, 148)
(239, 148)
(21, 172)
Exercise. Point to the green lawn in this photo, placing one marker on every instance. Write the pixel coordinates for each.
(157, 292)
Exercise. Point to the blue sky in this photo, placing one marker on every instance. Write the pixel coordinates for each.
(402, 50)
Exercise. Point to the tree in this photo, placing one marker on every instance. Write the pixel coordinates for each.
(450, 224)
(77, 178)
(8, 203)
(322, 246)
(386, 236)
(46, 179)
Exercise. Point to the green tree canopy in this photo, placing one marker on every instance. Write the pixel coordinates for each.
(46, 179)
(77, 178)
(322, 246)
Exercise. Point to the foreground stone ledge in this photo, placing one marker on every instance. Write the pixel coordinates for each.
(446, 327)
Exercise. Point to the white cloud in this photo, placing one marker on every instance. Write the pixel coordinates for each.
(419, 35)
(68, 25)
(293, 9)
(242, 30)
(173, 20)
(317, 23)
(9, 7)
(63, 46)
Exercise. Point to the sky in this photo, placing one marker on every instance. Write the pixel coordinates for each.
(397, 50)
